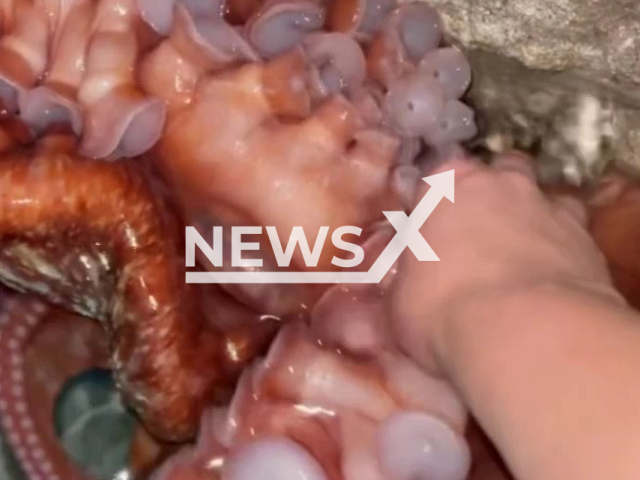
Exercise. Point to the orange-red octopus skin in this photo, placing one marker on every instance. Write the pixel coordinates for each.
(89, 236)
(326, 169)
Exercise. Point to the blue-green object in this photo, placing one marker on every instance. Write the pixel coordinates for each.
(94, 428)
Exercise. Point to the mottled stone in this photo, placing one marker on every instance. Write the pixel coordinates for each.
(599, 36)
(565, 69)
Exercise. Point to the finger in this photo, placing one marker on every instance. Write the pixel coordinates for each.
(573, 207)
(608, 190)
(516, 162)
(452, 157)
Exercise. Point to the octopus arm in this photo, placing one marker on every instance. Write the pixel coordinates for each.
(23, 51)
(166, 359)
(54, 101)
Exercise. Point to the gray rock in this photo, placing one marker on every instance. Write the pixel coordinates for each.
(561, 77)
(598, 36)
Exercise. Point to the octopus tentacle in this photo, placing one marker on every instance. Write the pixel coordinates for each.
(55, 100)
(57, 13)
(29, 332)
(274, 120)
(360, 18)
(358, 437)
(240, 11)
(13, 134)
(343, 411)
(23, 52)
(278, 300)
(119, 118)
(359, 384)
(173, 69)
(158, 14)
(133, 266)
(408, 34)
(259, 111)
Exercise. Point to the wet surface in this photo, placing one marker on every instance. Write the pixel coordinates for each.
(94, 427)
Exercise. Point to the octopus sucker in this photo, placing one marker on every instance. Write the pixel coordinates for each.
(149, 299)
(361, 18)
(284, 403)
(23, 51)
(281, 24)
(54, 101)
(193, 48)
(109, 96)
(29, 331)
(123, 122)
(170, 107)
(74, 63)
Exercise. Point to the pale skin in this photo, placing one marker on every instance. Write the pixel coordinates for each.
(521, 316)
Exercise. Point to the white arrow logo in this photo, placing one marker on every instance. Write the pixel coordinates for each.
(407, 236)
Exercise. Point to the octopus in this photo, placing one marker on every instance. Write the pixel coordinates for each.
(124, 121)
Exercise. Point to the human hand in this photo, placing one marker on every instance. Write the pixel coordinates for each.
(502, 237)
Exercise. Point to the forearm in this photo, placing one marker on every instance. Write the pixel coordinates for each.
(547, 375)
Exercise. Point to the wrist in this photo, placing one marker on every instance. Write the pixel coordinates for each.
(512, 311)
(532, 364)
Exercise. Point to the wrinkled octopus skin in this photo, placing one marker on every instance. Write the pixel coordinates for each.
(275, 113)
(112, 257)
(327, 170)
(40, 349)
(73, 62)
(330, 403)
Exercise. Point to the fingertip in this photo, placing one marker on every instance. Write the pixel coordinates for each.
(607, 190)
(449, 157)
(517, 162)
(572, 206)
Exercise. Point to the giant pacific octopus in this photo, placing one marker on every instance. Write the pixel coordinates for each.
(122, 122)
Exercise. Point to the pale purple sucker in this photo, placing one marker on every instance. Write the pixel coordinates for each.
(280, 26)
(456, 124)
(414, 104)
(361, 18)
(450, 68)
(207, 8)
(269, 458)
(373, 14)
(158, 14)
(42, 107)
(419, 27)
(222, 41)
(419, 446)
(339, 62)
(8, 97)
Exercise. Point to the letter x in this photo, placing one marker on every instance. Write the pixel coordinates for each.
(410, 233)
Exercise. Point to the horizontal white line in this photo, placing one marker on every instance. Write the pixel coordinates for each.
(282, 277)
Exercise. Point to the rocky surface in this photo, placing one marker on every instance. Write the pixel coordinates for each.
(560, 77)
